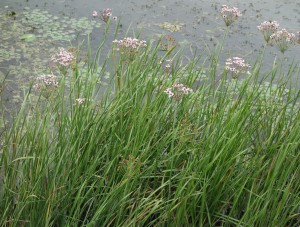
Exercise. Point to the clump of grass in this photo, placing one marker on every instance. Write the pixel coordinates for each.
(225, 154)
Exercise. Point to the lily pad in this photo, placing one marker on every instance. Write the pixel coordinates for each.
(28, 37)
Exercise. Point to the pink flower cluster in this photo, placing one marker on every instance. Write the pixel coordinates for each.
(63, 58)
(130, 43)
(236, 65)
(230, 15)
(48, 82)
(104, 15)
(177, 91)
(268, 28)
(283, 39)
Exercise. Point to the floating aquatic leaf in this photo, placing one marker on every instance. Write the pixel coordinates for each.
(172, 27)
(28, 37)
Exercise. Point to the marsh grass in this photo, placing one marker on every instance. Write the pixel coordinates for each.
(225, 155)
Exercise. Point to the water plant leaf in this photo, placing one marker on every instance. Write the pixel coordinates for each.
(28, 37)
(171, 26)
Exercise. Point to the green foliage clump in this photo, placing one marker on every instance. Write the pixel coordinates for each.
(126, 154)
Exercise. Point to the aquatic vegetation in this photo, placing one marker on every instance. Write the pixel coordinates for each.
(129, 47)
(166, 65)
(55, 28)
(8, 53)
(177, 91)
(268, 28)
(104, 15)
(236, 65)
(63, 58)
(171, 26)
(225, 153)
(283, 39)
(129, 44)
(28, 37)
(167, 43)
(230, 15)
(46, 84)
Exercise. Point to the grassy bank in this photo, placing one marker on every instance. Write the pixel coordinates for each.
(130, 154)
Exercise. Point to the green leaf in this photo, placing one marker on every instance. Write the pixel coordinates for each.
(28, 37)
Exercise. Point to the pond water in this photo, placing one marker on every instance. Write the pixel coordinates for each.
(198, 25)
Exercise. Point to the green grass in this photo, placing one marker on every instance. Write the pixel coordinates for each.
(227, 154)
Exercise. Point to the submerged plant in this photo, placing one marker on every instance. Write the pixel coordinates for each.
(283, 39)
(229, 15)
(268, 28)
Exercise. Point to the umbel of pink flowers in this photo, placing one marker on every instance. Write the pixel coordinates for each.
(268, 28)
(63, 58)
(236, 65)
(177, 91)
(129, 47)
(104, 15)
(129, 42)
(46, 84)
(230, 15)
(283, 39)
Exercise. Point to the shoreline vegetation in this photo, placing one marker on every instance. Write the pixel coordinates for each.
(164, 144)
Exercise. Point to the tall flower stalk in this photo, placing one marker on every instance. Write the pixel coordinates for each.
(176, 93)
(128, 49)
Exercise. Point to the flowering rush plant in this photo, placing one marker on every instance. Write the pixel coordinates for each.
(104, 15)
(63, 58)
(236, 65)
(46, 84)
(166, 65)
(268, 28)
(129, 43)
(129, 46)
(230, 15)
(283, 39)
(177, 91)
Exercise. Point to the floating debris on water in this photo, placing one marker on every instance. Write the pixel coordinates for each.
(171, 26)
